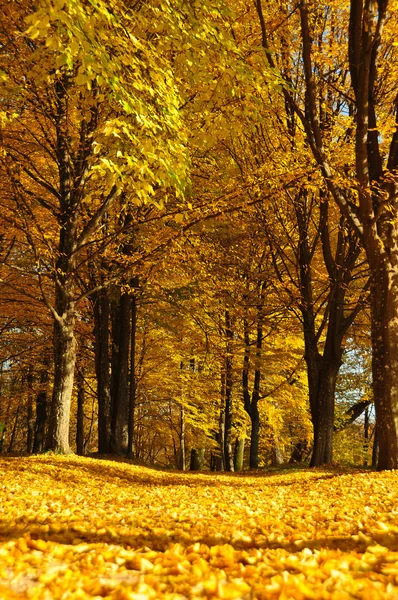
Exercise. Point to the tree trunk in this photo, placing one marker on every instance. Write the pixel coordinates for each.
(366, 438)
(102, 368)
(323, 416)
(194, 463)
(14, 431)
(29, 419)
(64, 367)
(254, 436)
(228, 454)
(239, 453)
(384, 326)
(80, 414)
(120, 404)
(375, 450)
(182, 440)
(220, 437)
(133, 388)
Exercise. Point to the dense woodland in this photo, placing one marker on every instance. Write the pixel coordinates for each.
(198, 231)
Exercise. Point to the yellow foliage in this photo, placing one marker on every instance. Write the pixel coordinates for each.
(82, 528)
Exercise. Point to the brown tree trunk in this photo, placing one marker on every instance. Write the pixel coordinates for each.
(30, 419)
(102, 368)
(251, 400)
(239, 453)
(182, 439)
(323, 416)
(14, 431)
(120, 401)
(80, 414)
(133, 384)
(220, 437)
(366, 438)
(64, 367)
(41, 413)
(228, 453)
(384, 327)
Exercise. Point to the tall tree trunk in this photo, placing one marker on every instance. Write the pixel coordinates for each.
(251, 400)
(182, 439)
(14, 431)
(194, 464)
(41, 412)
(80, 413)
(228, 453)
(375, 449)
(102, 368)
(366, 438)
(323, 416)
(120, 405)
(133, 385)
(64, 367)
(30, 419)
(254, 436)
(384, 326)
(220, 437)
(239, 452)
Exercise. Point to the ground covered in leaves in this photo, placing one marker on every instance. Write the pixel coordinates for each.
(80, 528)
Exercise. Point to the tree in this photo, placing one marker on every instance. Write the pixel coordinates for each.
(367, 192)
(90, 115)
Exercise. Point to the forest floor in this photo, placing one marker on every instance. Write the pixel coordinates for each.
(83, 528)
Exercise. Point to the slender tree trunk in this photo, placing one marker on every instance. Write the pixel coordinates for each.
(102, 368)
(132, 397)
(194, 464)
(182, 439)
(228, 453)
(239, 452)
(14, 431)
(254, 437)
(384, 326)
(80, 413)
(220, 437)
(120, 408)
(375, 449)
(366, 438)
(323, 417)
(41, 414)
(64, 367)
(30, 419)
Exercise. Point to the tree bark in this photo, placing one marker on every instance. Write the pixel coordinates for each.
(182, 439)
(385, 360)
(41, 413)
(30, 419)
(102, 368)
(228, 454)
(80, 414)
(64, 367)
(220, 437)
(133, 384)
(239, 453)
(323, 416)
(250, 401)
(14, 431)
(120, 403)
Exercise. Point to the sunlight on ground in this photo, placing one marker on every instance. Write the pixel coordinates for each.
(84, 528)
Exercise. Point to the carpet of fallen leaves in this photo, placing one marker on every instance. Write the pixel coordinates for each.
(81, 528)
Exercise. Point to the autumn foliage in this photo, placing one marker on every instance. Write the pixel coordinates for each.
(83, 528)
